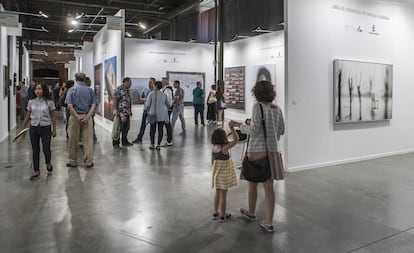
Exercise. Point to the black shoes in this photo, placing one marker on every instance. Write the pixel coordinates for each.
(127, 144)
(137, 140)
(89, 165)
(71, 165)
(35, 175)
(49, 167)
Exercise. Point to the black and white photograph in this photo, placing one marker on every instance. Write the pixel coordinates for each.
(362, 91)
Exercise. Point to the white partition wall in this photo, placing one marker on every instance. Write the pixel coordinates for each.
(3, 100)
(108, 56)
(260, 51)
(320, 31)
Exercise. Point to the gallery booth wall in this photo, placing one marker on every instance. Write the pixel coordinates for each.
(3, 100)
(108, 63)
(184, 61)
(376, 32)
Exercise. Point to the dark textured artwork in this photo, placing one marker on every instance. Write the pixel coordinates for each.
(234, 79)
(362, 91)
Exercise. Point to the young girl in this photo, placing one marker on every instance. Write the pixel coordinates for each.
(41, 112)
(223, 170)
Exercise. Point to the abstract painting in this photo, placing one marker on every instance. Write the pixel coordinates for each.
(362, 91)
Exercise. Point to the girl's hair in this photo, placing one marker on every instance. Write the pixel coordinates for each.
(45, 88)
(264, 91)
(219, 137)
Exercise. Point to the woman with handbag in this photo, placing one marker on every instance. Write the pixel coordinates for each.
(157, 105)
(263, 151)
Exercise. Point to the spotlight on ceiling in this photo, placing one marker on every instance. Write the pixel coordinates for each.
(78, 16)
(44, 29)
(128, 34)
(142, 25)
(161, 8)
(74, 22)
(41, 14)
(260, 30)
(71, 30)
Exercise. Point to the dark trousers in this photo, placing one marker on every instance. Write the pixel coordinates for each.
(211, 112)
(125, 125)
(169, 128)
(153, 127)
(143, 125)
(37, 133)
(199, 109)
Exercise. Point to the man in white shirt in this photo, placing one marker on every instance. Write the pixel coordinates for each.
(168, 90)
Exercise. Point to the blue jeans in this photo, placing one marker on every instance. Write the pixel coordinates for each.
(178, 112)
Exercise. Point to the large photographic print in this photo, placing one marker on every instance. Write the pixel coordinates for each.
(97, 88)
(362, 91)
(234, 79)
(188, 82)
(110, 86)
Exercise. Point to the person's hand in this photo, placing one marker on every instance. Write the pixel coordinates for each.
(115, 112)
(54, 132)
(85, 119)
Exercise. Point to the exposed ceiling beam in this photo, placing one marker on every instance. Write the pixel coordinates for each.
(100, 6)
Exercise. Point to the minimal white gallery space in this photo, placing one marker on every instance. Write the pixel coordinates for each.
(340, 103)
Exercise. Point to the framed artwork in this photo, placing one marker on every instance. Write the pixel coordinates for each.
(234, 87)
(362, 91)
(97, 85)
(138, 86)
(188, 82)
(110, 86)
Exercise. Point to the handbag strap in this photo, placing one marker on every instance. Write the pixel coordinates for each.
(264, 131)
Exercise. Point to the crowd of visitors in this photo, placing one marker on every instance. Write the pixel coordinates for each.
(163, 105)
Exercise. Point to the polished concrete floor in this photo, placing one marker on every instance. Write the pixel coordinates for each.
(138, 200)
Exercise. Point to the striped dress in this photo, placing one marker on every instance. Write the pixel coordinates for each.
(223, 171)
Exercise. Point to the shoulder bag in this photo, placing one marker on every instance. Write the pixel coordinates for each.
(257, 170)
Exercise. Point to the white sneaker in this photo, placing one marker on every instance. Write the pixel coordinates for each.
(169, 143)
(164, 144)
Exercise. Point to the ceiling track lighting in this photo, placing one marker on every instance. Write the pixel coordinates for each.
(42, 29)
(260, 30)
(40, 14)
(85, 31)
(140, 25)
(128, 34)
(237, 37)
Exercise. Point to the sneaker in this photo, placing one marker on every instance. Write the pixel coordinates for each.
(116, 146)
(89, 165)
(164, 144)
(215, 216)
(152, 147)
(137, 140)
(245, 212)
(268, 227)
(35, 175)
(169, 143)
(225, 218)
(183, 134)
(158, 147)
(127, 144)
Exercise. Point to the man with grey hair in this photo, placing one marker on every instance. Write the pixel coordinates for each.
(81, 102)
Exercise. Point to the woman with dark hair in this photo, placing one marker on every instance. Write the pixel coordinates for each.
(41, 113)
(157, 105)
(220, 104)
(211, 105)
(261, 146)
(263, 74)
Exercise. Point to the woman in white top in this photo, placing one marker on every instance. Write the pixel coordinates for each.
(41, 113)
(211, 105)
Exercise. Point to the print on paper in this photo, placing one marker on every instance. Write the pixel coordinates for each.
(110, 86)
